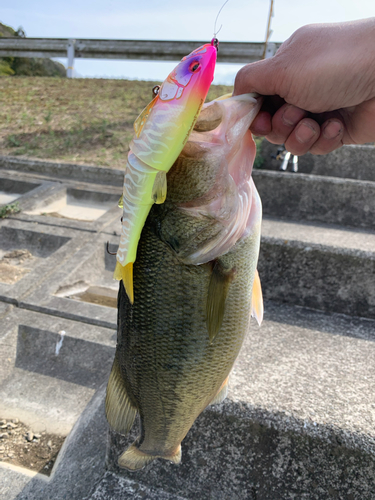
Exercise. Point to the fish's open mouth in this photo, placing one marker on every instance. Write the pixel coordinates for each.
(220, 147)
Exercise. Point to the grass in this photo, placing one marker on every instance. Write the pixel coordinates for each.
(88, 121)
(7, 210)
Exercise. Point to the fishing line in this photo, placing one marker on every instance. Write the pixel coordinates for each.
(216, 32)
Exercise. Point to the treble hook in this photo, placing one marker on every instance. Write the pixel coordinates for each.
(110, 253)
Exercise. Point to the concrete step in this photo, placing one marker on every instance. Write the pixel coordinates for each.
(317, 198)
(298, 423)
(83, 289)
(43, 250)
(60, 170)
(50, 368)
(318, 266)
(299, 419)
(350, 162)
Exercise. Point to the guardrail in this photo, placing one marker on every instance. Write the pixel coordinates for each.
(161, 50)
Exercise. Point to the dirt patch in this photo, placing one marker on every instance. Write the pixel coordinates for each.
(12, 266)
(20, 446)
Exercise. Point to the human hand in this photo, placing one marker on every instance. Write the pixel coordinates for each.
(320, 86)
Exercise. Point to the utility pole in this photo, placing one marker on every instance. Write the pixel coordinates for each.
(268, 53)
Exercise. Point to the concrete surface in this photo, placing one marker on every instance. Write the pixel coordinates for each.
(317, 198)
(324, 268)
(299, 419)
(79, 466)
(349, 162)
(298, 423)
(59, 170)
(47, 377)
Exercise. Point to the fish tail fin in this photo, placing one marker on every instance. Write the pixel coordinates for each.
(125, 273)
(222, 393)
(118, 408)
(134, 459)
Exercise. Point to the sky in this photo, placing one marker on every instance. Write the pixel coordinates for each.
(241, 20)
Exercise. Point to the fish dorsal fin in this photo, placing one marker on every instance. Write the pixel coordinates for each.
(217, 294)
(257, 300)
(118, 408)
(159, 189)
(143, 117)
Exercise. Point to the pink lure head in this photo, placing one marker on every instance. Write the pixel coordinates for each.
(192, 77)
(164, 126)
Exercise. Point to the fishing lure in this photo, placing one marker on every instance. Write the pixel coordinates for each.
(161, 131)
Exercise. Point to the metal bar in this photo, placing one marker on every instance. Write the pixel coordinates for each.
(161, 50)
(69, 70)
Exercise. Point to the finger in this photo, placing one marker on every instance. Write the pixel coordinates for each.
(256, 77)
(283, 123)
(262, 124)
(302, 138)
(332, 132)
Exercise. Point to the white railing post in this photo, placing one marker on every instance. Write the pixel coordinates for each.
(69, 71)
(270, 50)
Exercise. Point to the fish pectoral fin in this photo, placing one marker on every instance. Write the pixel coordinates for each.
(217, 294)
(119, 410)
(257, 300)
(222, 393)
(125, 273)
(135, 459)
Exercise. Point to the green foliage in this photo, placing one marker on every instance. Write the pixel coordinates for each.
(13, 141)
(5, 67)
(259, 160)
(27, 66)
(34, 66)
(7, 210)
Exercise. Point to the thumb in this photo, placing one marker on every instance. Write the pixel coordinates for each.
(256, 77)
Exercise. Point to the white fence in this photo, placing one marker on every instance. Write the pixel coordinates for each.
(162, 50)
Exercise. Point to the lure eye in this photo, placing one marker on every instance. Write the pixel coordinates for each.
(194, 66)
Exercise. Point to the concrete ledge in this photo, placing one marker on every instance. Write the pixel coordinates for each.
(350, 162)
(50, 368)
(79, 466)
(83, 173)
(319, 267)
(317, 198)
(297, 423)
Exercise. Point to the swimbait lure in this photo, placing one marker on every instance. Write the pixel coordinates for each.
(161, 131)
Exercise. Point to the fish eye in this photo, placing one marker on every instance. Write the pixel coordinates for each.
(194, 66)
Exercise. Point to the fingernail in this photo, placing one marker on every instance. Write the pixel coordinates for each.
(292, 115)
(305, 132)
(332, 129)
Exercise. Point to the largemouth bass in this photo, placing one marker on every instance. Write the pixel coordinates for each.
(196, 284)
(161, 131)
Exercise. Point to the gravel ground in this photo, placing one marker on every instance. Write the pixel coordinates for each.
(20, 446)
